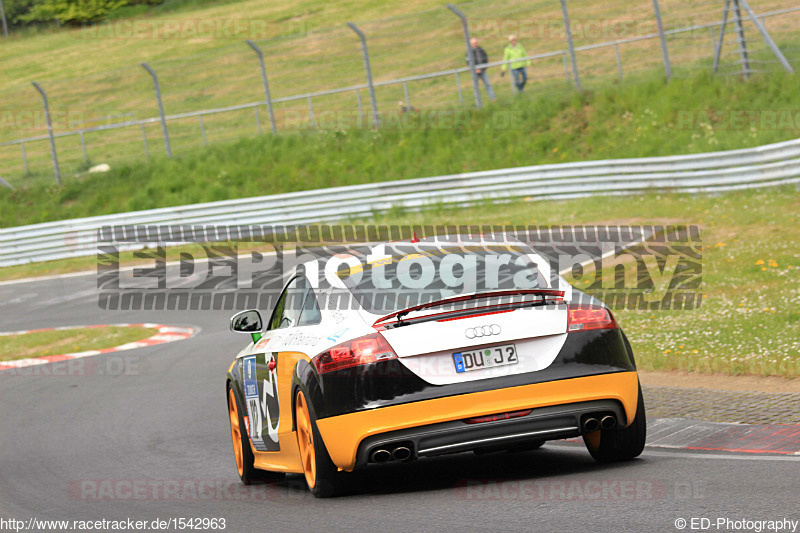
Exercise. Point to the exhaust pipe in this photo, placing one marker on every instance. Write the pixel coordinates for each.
(591, 424)
(401, 453)
(608, 422)
(381, 455)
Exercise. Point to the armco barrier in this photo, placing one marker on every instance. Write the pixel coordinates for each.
(762, 166)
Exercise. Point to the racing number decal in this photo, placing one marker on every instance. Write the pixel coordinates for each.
(262, 409)
(269, 402)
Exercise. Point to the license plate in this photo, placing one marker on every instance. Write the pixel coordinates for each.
(486, 358)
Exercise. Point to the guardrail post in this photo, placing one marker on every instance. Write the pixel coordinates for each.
(365, 52)
(767, 38)
(49, 131)
(260, 54)
(470, 56)
(663, 38)
(3, 13)
(160, 108)
(571, 46)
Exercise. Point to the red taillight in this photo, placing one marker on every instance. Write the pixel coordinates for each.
(356, 352)
(499, 416)
(584, 317)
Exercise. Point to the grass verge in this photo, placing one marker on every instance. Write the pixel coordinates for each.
(56, 342)
(650, 118)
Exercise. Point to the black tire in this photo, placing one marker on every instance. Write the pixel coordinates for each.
(329, 482)
(619, 444)
(249, 474)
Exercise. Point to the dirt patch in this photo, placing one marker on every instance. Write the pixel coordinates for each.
(718, 381)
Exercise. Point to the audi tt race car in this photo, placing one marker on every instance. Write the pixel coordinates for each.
(408, 350)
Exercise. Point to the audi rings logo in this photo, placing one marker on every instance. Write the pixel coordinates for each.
(484, 331)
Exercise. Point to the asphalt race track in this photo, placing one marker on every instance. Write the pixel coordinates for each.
(144, 434)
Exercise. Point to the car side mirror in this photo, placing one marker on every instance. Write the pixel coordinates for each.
(248, 322)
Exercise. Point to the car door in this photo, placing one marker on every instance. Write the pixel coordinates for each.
(259, 369)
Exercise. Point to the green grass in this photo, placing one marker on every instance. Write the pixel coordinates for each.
(749, 322)
(57, 342)
(96, 74)
(615, 121)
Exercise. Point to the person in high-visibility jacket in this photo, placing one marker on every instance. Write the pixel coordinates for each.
(514, 51)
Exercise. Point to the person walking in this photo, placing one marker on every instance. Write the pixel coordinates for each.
(516, 54)
(479, 57)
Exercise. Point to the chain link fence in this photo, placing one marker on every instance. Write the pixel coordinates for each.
(317, 77)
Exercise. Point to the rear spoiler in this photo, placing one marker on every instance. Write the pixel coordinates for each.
(543, 293)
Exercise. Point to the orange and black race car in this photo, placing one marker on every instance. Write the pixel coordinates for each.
(409, 350)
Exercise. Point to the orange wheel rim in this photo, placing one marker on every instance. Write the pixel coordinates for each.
(236, 432)
(305, 440)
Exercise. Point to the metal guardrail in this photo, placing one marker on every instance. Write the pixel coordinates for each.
(762, 166)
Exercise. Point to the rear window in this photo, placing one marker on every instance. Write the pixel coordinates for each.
(400, 275)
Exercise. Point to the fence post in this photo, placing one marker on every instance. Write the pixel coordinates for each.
(718, 50)
(663, 38)
(373, 102)
(258, 120)
(160, 108)
(737, 16)
(24, 158)
(144, 140)
(3, 14)
(767, 38)
(566, 67)
(311, 113)
(49, 131)
(568, 29)
(470, 56)
(360, 108)
(83, 147)
(458, 86)
(713, 40)
(405, 91)
(203, 130)
(619, 61)
(260, 54)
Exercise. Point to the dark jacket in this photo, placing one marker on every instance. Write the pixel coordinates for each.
(479, 56)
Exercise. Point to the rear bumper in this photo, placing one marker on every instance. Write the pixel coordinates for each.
(435, 426)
